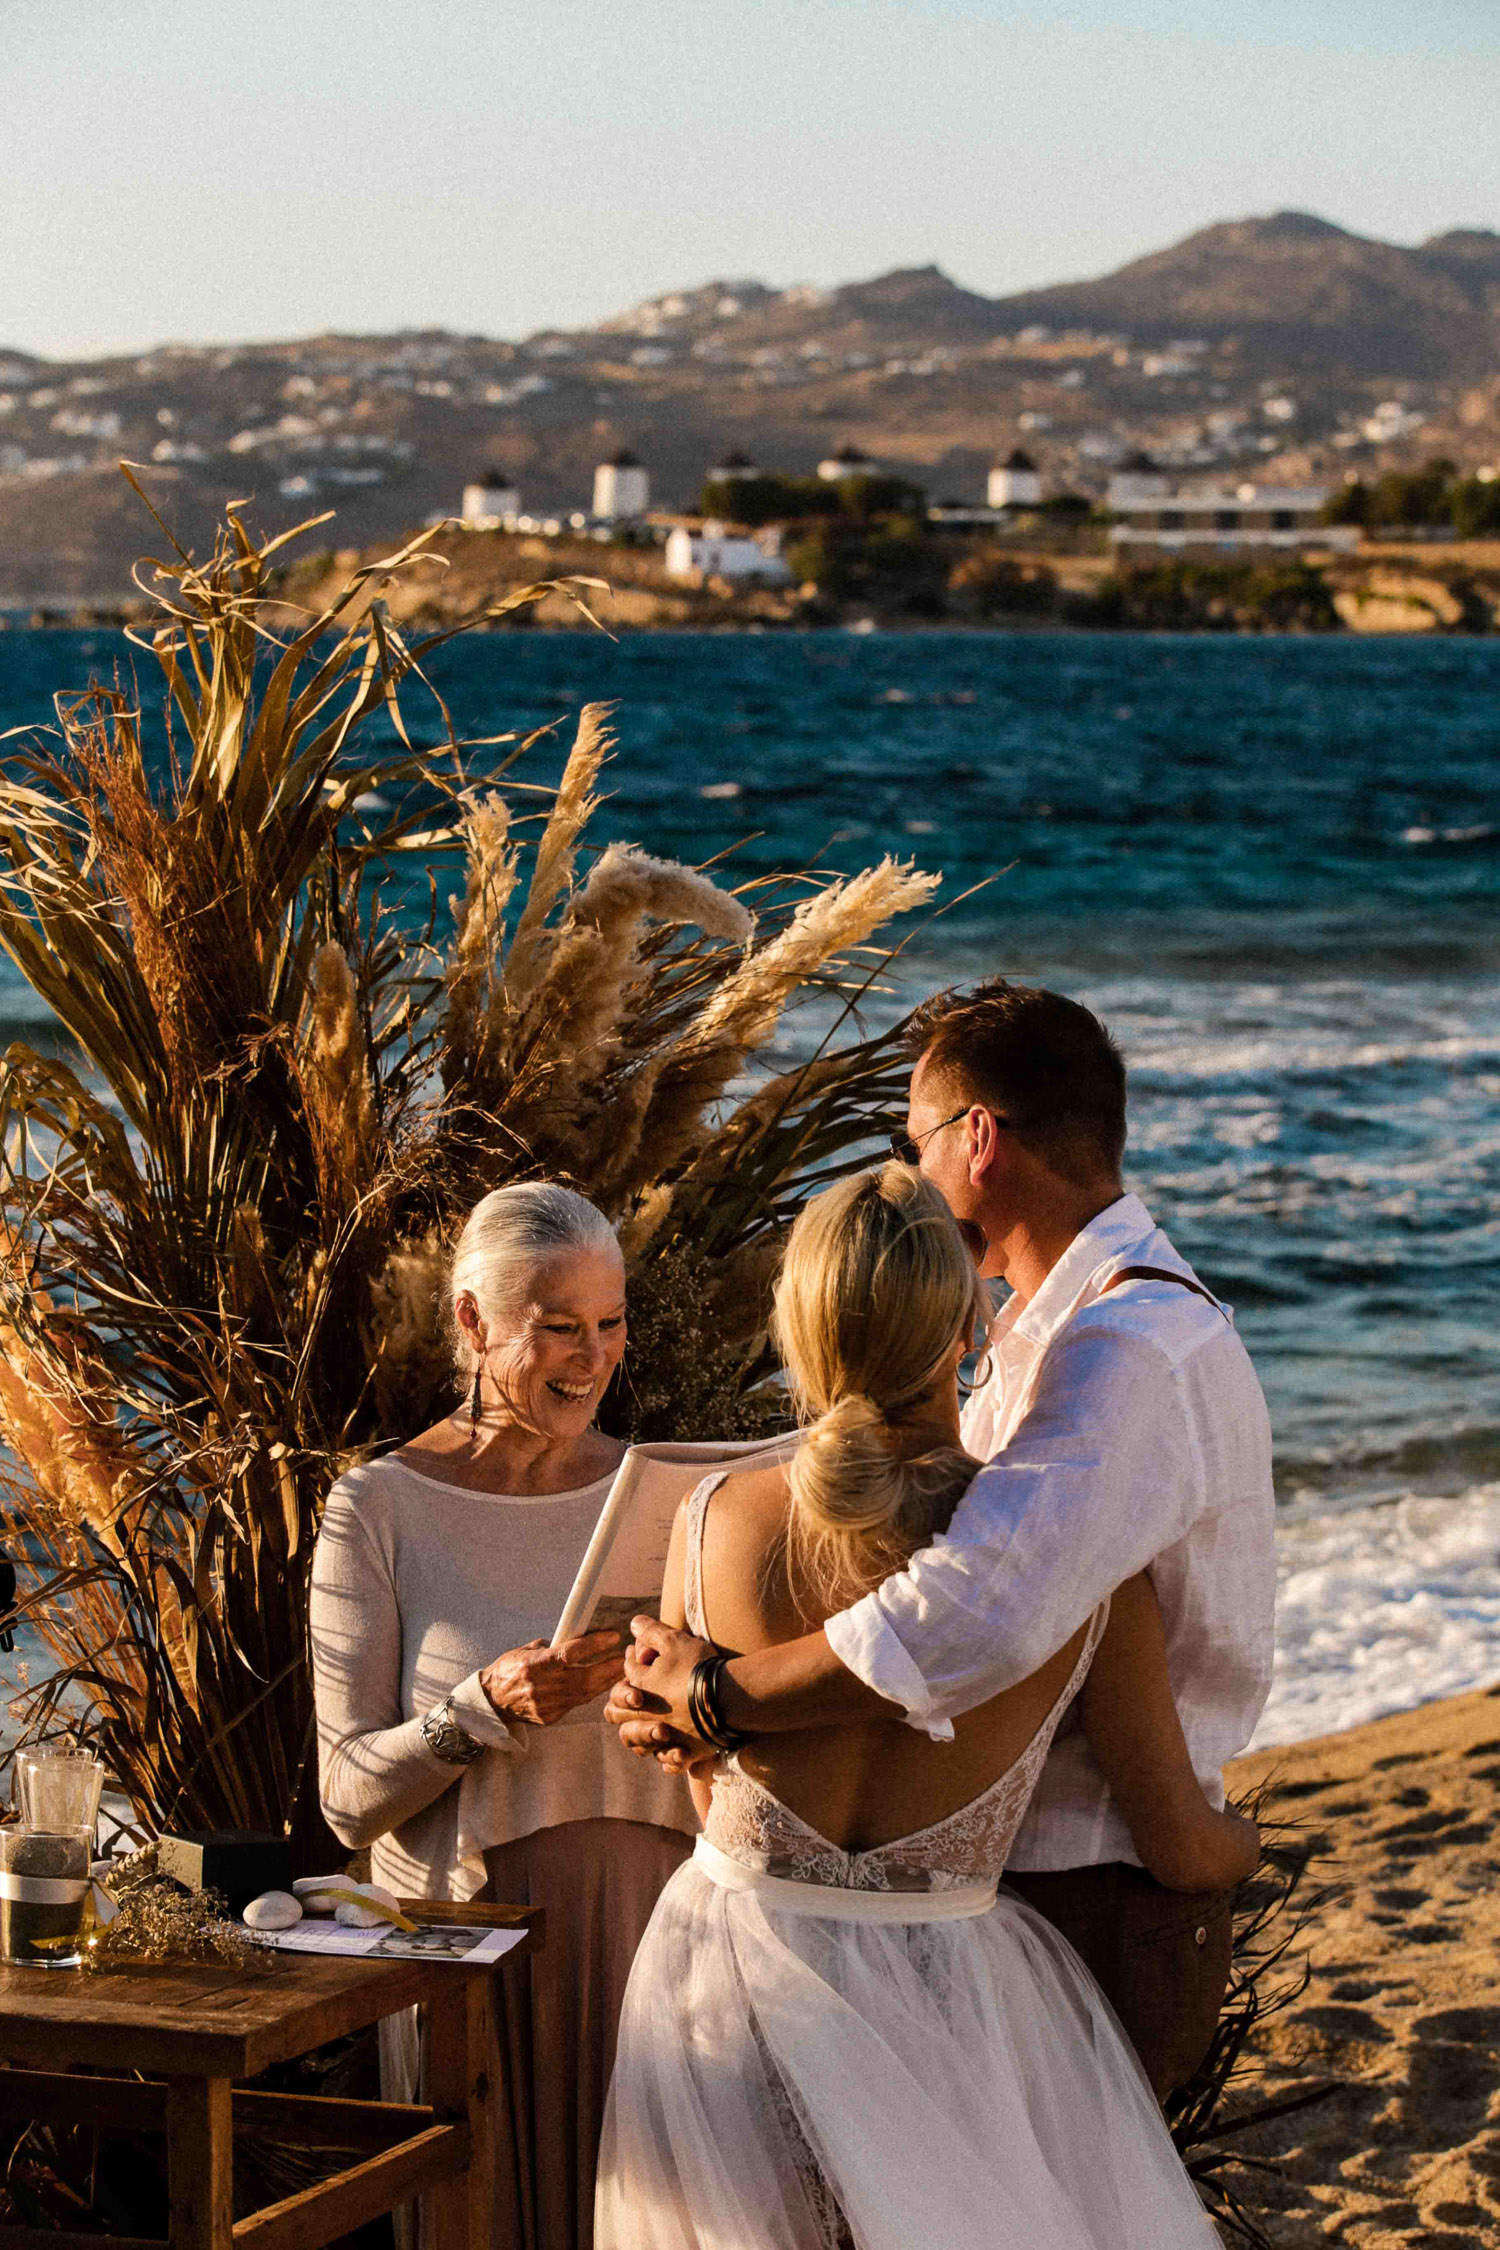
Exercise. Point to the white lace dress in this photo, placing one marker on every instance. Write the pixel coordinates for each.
(833, 2050)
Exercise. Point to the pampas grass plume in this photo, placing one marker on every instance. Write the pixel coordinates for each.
(472, 978)
(555, 854)
(744, 1012)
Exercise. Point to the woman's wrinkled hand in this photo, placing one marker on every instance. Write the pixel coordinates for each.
(540, 1685)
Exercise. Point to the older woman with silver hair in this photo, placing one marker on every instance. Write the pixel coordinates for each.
(469, 1755)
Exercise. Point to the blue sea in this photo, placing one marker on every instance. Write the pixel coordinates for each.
(1273, 865)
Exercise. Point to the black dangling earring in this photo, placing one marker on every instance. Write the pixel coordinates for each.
(478, 1399)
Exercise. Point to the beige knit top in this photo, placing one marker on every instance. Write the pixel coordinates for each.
(416, 1586)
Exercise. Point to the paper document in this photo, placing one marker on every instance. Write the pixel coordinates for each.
(626, 1558)
(429, 1941)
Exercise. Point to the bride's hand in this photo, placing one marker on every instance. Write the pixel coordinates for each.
(541, 1685)
(650, 1706)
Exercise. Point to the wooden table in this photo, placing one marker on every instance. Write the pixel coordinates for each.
(193, 2031)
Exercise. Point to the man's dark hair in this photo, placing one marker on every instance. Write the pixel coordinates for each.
(1044, 1062)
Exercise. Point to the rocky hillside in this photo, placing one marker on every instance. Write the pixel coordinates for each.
(1281, 345)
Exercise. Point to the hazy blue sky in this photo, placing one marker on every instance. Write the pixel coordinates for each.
(223, 171)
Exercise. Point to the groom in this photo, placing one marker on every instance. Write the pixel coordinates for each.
(1123, 1427)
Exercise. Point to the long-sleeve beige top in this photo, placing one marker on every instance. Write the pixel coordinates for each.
(416, 1586)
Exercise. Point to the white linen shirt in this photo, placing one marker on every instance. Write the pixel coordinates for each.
(1120, 1431)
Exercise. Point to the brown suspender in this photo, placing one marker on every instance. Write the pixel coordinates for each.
(1160, 1273)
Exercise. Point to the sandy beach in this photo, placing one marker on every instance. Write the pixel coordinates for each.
(1404, 2000)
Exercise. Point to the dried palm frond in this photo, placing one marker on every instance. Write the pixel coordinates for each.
(228, 1214)
(1269, 1972)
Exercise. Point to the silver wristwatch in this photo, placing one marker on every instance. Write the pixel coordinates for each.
(446, 1739)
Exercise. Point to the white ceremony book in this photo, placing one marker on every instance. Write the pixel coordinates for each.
(626, 1557)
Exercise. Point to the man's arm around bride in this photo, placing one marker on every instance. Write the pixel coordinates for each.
(1127, 1452)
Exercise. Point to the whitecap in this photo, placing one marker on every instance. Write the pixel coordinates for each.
(1381, 1607)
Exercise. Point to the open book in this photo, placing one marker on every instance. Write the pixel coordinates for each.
(626, 1558)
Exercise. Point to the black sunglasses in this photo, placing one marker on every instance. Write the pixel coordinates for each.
(907, 1147)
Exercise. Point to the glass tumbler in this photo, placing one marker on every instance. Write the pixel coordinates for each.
(59, 1789)
(44, 1886)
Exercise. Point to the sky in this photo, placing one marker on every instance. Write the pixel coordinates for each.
(193, 173)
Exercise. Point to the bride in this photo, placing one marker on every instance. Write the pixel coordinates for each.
(836, 2036)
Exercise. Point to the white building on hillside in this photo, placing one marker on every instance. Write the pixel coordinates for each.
(1015, 482)
(1154, 516)
(490, 500)
(622, 489)
(710, 550)
(849, 461)
(733, 466)
(1138, 483)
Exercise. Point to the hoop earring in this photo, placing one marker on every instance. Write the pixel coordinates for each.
(978, 1376)
(476, 1404)
(976, 1241)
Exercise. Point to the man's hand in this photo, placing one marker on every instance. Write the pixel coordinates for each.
(650, 1706)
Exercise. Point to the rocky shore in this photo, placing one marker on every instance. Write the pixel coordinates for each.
(1442, 589)
(1407, 589)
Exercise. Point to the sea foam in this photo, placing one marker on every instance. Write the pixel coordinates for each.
(1381, 1607)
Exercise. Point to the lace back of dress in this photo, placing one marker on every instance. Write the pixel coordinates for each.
(752, 1825)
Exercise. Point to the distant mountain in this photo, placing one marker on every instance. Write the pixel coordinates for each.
(1291, 288)
(1280, 345)
(1304, 292)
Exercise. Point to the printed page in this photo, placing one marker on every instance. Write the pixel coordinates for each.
(626, 1560)
(430, 1941)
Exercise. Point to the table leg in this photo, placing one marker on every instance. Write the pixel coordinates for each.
(457, 2047)
(200, 2161)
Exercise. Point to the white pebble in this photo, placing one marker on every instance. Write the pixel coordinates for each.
(273, 1910)
(368, 1909)
(316, 1892)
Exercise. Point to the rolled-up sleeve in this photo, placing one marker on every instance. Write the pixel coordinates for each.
(374, 1768)
(1101, 1476)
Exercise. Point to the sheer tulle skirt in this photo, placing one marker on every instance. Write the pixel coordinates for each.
(790, 2081)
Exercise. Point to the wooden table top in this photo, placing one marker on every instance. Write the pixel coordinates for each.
(204, 2020)
(200, 2020)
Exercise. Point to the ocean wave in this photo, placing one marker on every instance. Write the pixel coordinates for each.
(1478, 832)
(1382, 1607)
(1416, 1459)
(1290, 1053)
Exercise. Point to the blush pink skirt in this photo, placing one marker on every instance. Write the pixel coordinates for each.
(558, 2013)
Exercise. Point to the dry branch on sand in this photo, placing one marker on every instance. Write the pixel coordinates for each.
(226, 1214)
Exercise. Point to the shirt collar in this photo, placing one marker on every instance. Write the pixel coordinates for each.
(1116, 1237)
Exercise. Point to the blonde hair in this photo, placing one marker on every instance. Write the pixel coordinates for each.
(508, 1234)
(876, 1295)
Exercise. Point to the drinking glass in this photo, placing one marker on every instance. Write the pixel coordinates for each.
(59, 1789)
(44, 1884)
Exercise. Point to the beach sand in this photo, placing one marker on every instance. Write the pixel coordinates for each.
(1404, 2002)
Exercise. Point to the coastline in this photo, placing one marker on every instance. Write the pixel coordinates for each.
(1413, 591)
(1402, 2006)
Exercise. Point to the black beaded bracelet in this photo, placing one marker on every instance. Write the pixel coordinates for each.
(703, 1705)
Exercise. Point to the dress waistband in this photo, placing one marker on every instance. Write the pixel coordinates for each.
(833, 1903)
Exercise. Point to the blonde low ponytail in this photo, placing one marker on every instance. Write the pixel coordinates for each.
(876, 1295)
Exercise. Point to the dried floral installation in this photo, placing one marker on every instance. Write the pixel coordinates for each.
(227, 1191)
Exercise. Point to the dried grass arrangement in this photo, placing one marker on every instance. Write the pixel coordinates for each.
(226, 1200)
(1274, 1914)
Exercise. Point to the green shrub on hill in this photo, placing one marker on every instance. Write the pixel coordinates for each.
(1435, 497)
(761, 500)
(990, 584)
(1185, 597)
